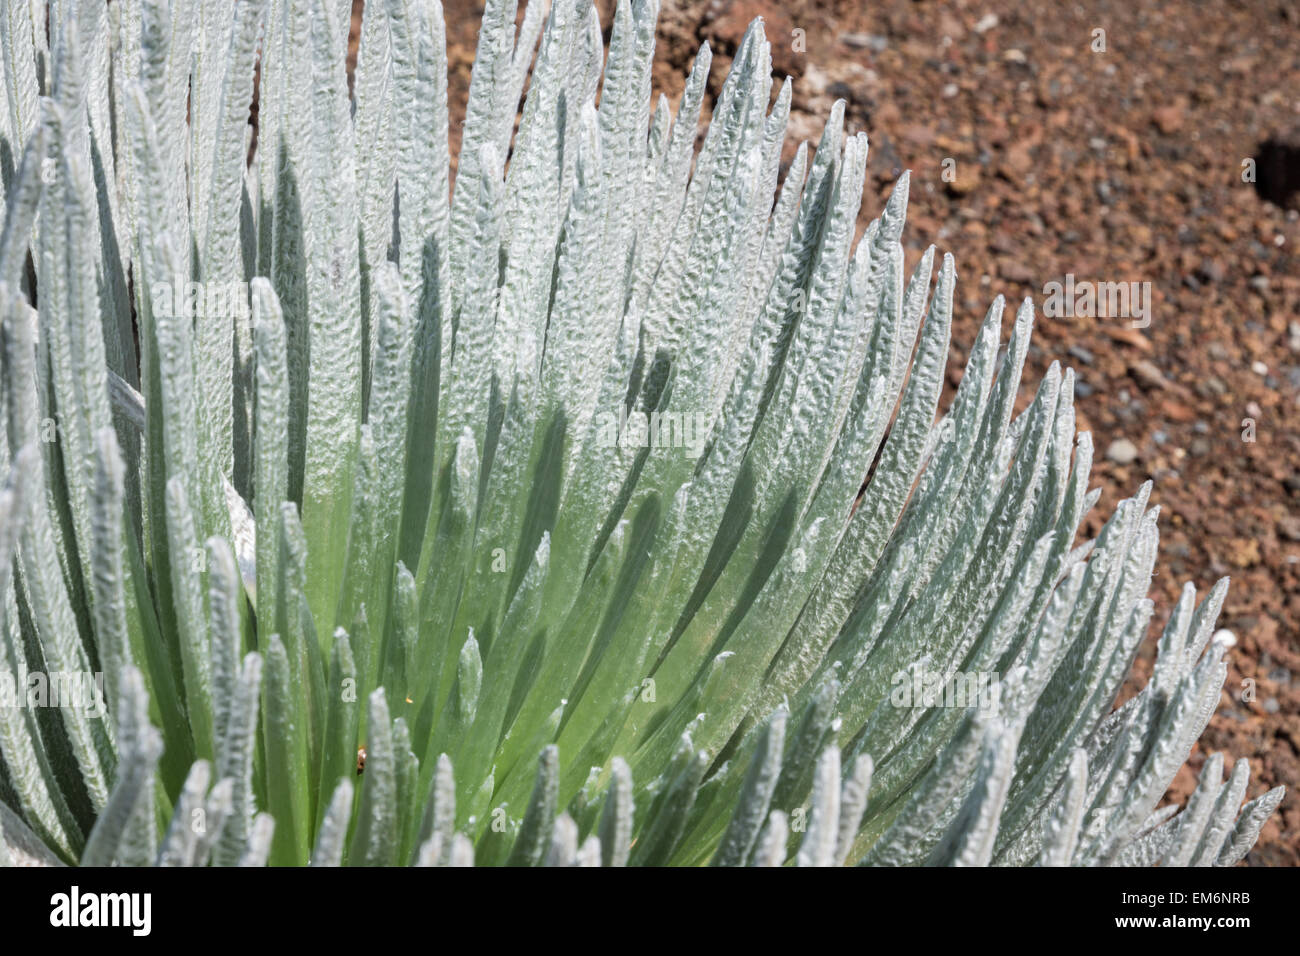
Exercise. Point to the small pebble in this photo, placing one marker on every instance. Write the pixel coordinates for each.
(866, 41)
(1211, 271)
(1122, 451)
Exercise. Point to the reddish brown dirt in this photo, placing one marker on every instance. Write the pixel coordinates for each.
(1122, 165)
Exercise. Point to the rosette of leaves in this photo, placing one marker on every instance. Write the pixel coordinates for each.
(599, 505)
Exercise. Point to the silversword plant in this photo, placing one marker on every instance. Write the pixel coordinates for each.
(367, 580)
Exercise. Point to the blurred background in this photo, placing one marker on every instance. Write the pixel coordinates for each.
(1135, 142)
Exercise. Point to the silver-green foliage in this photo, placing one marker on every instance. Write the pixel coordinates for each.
(378, 496)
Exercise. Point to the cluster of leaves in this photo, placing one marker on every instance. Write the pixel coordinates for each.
(385, 498)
